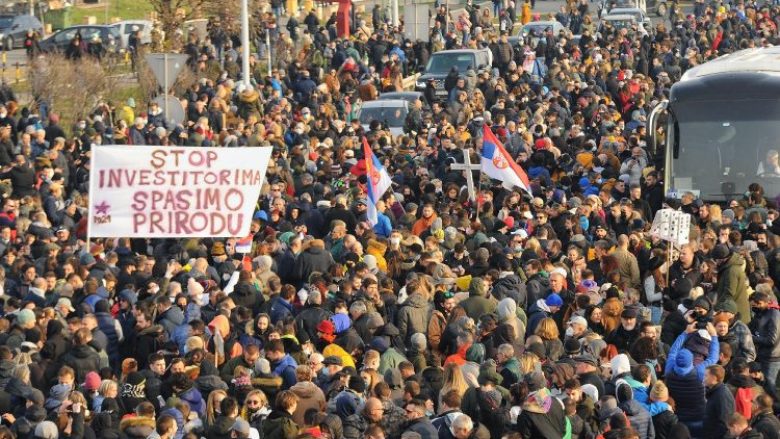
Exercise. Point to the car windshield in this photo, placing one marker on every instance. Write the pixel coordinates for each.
(536, 30)
(443, 62)
(393, 116)
(621, 23)
(5, 22)
(725, 146)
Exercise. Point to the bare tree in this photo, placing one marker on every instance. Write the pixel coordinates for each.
(71, 87)
(173, 13)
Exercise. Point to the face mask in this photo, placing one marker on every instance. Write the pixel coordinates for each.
(81, 125)
(395, 241)
(325, 372)
(569, 332)
(756, 310)
(519, 249)
(154, 290)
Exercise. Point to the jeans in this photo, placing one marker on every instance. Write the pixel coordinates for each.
(771, 369)
(695, 427)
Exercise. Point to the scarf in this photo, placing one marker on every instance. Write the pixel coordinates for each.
(134, 391)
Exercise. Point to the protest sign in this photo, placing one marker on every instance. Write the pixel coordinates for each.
(174, 192)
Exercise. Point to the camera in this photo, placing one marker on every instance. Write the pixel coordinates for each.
(701, 320)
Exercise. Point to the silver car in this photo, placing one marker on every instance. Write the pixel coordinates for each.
(390, 112)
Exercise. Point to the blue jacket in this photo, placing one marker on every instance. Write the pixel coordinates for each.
(285, 368)
(383, 227)
(712, 356)
(280, 309)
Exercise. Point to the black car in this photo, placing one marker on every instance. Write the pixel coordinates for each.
(440, 63)
(13, 29)
(60, 40)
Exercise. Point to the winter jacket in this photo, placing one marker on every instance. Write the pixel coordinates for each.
(424, 428)
(285, 368)
(663, 423)
(766, 334)
(310, 260)
(720, 405)
(476, 306)
(170, 319)
(538, 312)
(110, 326)
(136, 427)
(194, 398)
(639, 418)
(245, 294)
(413, 316)
(510, 286)
(280, 309)
(307, 320)
(767, 424)
(537, 287)
(732, 283)
(309, 397)
(220, 429)
(280, 425)
(83, 359)
(354, 426)
(538, 423)
(390, 359)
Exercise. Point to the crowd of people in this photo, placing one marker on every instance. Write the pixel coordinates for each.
(551, 313)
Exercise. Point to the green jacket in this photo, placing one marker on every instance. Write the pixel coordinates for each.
(280, 425)
(732, 283)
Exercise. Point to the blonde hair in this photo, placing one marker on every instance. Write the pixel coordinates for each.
(212, 405)
(106, 385)
(547, 329)
(533, 244)
(260, 395)
(528, 362)
(453, 380)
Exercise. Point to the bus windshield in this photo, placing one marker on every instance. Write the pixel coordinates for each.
(726, 146)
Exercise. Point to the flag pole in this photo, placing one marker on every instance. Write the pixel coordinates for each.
(479, 190)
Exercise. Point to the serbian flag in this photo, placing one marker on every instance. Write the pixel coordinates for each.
(377, 181)
(244, 245)
(498, 164)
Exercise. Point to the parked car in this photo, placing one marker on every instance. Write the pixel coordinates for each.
(127, 27)
(408, 96)
(440, 64)
(390, 112)
(638, 14)
(622, 21)
(13, 29)
(60, 40)
(537, 29)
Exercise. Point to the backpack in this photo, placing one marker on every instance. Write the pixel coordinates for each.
(743, 401)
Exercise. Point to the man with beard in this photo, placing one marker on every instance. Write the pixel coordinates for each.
(626, 333)
(765, 327)
(732, 331)
(444, 303)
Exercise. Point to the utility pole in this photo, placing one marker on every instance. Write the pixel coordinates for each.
(245, 42)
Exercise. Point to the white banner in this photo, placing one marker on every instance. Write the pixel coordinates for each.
(671, 225)
(174, 192)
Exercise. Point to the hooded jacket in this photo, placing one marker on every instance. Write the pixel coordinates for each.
(82, 359)
(136, 427)
(413, 316)
(280, 425)
(245, 294)
(732, 283)
(285, 368)
(309, 397)
(170, 319)
(510, 286)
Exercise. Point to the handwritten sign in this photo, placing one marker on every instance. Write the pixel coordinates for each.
(174, 192)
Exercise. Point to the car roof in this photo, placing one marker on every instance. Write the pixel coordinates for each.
(391, 95)
(459, 51)
(616, 17)
(618, 11)
(385, 103)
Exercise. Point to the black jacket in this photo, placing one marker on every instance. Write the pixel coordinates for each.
(310, 260)
(307, 320)
(663, 423)
(511, 286)
(767, 424)
(720, 405)
(83, 359)
(765, 327)
(246, 295)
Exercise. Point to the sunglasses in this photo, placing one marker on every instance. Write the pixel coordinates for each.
(252, 402)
